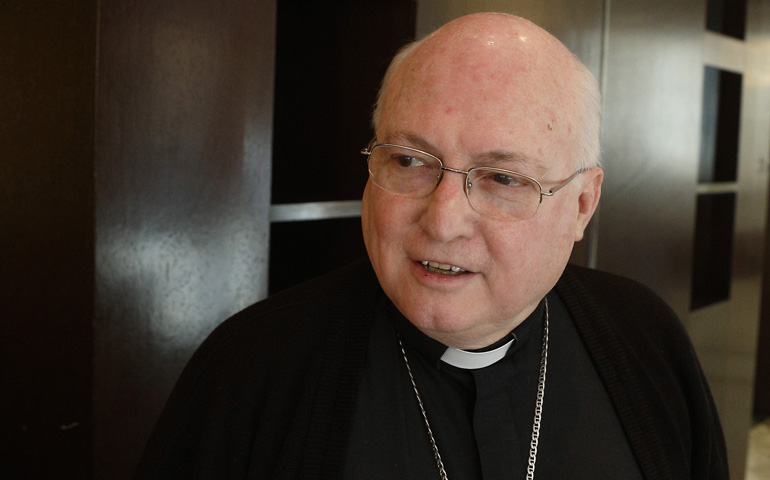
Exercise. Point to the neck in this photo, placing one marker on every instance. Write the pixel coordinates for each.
(478, 337)
(473, 342)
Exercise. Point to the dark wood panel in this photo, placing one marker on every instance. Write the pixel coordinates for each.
(47, 66)
(330, 59)
(762, 374)
(183, 187)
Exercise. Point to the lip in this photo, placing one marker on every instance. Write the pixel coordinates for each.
(443, 267)
(429, 278)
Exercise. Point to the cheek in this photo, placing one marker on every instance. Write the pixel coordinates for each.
(531, 255)
(368, 219)
(383, 221)
(558, 239)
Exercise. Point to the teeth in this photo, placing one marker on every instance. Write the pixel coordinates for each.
(444, 268)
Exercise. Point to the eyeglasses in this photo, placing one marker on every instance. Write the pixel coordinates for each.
(493, 192)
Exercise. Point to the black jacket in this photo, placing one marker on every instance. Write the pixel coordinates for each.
(270, 394)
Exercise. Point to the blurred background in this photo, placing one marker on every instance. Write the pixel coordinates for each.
(165, 164)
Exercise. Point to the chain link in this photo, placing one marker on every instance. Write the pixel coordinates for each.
(539, 401)
(538, 405)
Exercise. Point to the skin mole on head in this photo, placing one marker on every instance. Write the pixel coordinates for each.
(552, 123)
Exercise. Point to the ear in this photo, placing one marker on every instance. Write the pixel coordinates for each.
(588, 199)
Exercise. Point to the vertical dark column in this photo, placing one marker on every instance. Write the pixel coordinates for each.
(182, 197)
(331, 57)
(762, 375)
(47, 65)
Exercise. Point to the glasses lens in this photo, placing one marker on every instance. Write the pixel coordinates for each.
(503, 194)
(404, 171)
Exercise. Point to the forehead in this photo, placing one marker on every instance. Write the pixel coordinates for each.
(488, 54)
(481, 95)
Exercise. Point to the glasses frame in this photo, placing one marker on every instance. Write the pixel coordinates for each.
(543, 193)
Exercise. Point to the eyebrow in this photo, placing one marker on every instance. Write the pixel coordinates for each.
(495, 158)
(491, 159)
(413, 140)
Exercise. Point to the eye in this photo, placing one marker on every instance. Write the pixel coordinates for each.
(500, 183)
(506, 180)
(408, 161)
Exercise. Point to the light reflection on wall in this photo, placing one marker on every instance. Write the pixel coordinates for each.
(182, 197)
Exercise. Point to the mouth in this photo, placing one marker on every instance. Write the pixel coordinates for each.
(442, 268)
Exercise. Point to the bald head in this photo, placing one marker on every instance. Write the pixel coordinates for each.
(486, 93)
(486, 56)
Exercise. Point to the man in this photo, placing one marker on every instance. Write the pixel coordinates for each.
(465, 347)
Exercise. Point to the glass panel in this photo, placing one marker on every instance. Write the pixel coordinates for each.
(720, 126)
(712, 262)
(727, 17)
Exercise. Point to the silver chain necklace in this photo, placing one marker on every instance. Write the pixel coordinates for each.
(538, 405)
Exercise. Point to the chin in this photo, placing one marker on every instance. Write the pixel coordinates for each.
(431, 321)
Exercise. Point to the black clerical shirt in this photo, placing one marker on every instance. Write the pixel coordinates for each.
(482, 419)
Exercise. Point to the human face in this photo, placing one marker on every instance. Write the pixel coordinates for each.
(468, 117)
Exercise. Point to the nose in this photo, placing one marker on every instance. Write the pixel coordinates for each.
(447, 214)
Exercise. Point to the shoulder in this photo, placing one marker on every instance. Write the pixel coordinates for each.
(612, 310)
(302, 315)
(260, 371)
(282, 340)
(624, 321)
(650, 368)
(607, 285)
(613, 295)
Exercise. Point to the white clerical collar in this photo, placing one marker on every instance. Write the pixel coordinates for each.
(475, 360)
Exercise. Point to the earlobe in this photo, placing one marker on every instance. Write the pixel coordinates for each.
(588, 199)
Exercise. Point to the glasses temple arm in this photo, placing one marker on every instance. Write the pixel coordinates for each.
(563, 184)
